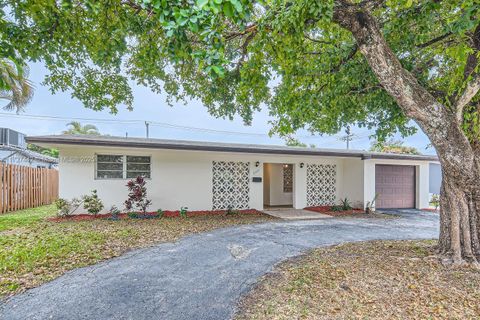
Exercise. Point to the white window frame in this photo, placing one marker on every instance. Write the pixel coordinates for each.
(124, 166)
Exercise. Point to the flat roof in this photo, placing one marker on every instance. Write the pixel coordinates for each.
(152, 143)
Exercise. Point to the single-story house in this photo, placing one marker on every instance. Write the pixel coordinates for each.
(206, 175)
(13, 150)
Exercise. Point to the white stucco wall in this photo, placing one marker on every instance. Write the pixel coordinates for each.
(353, 181)
(422, 179)
(184, 178)
(179, 178)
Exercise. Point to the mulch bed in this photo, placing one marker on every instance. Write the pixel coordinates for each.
(166, 214)
(327, 210)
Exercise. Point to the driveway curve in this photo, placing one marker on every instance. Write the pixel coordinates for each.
(201, 276)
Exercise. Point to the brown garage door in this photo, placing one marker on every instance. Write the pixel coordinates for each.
(395, 186)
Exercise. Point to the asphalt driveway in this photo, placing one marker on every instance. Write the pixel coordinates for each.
(201, 276)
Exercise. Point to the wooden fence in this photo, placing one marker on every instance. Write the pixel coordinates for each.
(25, 187)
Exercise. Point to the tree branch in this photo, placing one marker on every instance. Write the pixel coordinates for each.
(470, 70)
(413, 99)
(470, 91)
(434, 40)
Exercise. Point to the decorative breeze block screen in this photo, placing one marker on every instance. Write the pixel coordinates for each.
(321, 184)
(287, 178)
(231, 185)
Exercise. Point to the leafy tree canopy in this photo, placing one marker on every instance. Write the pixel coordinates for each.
(76, 127)
(237, 55)
(393, 146)
(15, 88)
(52, 152)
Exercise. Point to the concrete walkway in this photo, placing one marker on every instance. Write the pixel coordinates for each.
(295, 214)
(201, 276)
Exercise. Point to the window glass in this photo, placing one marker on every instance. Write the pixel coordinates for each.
(109, 174)
(113, 167)
(138, 159)
(109, 158)
(109, 167)
(138, 166)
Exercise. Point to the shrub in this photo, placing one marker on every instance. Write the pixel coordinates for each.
(230, 211)
(345, 203)
(66, 208)
(160, 213)
(92, 203)
(114, 212)
(344, 206)
(435, 201)
(137, 196)
(133, 215)
(62, 207)
(183, 212)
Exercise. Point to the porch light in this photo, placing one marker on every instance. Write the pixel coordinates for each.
(257, 163)
(302, 164)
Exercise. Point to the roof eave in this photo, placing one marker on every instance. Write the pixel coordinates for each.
(237, 149)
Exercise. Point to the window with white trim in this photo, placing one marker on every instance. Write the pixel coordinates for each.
(122, 166)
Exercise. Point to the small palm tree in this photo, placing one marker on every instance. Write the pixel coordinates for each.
(77, 128)
(14, 85)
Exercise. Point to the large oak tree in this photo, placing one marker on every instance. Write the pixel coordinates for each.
(319, 65)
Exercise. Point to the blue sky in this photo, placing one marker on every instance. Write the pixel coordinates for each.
(152, 107)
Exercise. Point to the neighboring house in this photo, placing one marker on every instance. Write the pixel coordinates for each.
(205, 175)
(435, 178)
(13, 150)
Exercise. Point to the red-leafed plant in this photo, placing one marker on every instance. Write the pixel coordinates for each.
(137, 196)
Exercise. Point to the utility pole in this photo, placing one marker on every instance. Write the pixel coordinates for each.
(146, 128)
(348, 137)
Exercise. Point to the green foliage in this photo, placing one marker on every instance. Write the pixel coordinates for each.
(51, 152)
(435, 201)
(293, 142)
(114, 212)
(230, 211)
(160, 213)
(15, 87)
(183, 212)
(62, 207)
(343, 206)
(392, 146)
(76, 127)
(92, 203)
(237, 56)
(67, 208)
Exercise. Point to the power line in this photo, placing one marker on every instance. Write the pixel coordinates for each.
(164, 125)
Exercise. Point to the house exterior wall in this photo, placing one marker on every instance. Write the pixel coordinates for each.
(353, 182)
(184, 178)
(435, 178)
(422, 179)
(179, 178)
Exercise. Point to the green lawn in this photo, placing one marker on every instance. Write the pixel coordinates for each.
(34, 250)
(25, 218)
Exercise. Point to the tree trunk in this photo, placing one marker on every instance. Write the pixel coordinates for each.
(459, 220)
(460, 196)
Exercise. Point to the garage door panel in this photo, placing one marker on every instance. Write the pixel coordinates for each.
(395, 186)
